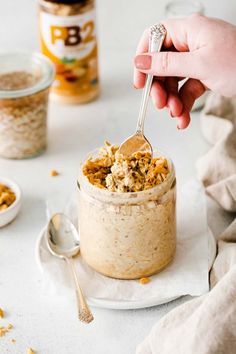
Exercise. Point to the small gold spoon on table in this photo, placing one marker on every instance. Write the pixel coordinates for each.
(138, 142)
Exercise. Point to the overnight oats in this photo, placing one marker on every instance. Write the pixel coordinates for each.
(127, 218)
(24, 87)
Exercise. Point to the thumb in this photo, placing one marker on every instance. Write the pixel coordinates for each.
(182, 64)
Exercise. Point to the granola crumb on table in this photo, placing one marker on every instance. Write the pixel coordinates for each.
(54, 173)
(30, 351)
(144, 280)
(125, 174)
(4, 330)
(1, 313)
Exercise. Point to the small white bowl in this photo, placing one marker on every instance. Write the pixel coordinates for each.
(9, 214)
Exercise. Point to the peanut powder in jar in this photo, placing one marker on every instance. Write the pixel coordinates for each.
(24, 87)
(68, 38)
(127, 235)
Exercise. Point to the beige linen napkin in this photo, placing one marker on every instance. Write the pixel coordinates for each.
(217, 169)
(207, 325)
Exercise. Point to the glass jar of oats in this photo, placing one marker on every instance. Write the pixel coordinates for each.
(127, 235)
(24, 87)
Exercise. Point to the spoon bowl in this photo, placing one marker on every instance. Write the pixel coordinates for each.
(136, 142)
(62, 237)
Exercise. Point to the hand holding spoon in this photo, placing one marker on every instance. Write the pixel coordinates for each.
(138, 141)
(63, 242)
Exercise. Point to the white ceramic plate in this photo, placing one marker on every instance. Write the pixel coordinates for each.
(114, 304)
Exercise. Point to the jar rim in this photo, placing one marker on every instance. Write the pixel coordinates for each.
(105, 193)
(44, 82)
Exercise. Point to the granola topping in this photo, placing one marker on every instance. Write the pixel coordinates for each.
(125, 174)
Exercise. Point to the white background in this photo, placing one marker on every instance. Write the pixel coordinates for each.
(49, 324)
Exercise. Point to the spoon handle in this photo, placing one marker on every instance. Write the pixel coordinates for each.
(84, 312)
(156, 39)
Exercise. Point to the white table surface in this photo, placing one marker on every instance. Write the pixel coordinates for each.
(50, 325)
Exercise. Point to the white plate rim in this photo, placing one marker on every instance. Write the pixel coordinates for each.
(128, 305)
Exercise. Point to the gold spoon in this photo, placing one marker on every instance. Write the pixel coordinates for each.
(138, 142)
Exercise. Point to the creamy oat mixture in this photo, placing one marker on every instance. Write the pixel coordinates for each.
(22, 119)
(125, 174)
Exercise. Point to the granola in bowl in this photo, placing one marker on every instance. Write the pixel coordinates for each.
(7, 198)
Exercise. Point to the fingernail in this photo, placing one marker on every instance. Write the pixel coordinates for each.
(171, 114)
(143, 62)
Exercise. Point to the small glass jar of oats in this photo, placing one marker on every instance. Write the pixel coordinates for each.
(127, 219)
(24, 87)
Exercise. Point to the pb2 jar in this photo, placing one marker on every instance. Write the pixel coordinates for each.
(68, 37)
(128, 235)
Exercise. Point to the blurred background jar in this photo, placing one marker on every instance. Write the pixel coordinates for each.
(24, 88)
(183, 8)
(68, 38)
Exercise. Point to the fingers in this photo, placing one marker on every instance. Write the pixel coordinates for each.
(174, 103)
(168, 64)
(189, 92)
(158, 94)
(177, 34)
(183, 120)
(170, 42)
(179, 37)
(179, 61)
(139, 78)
